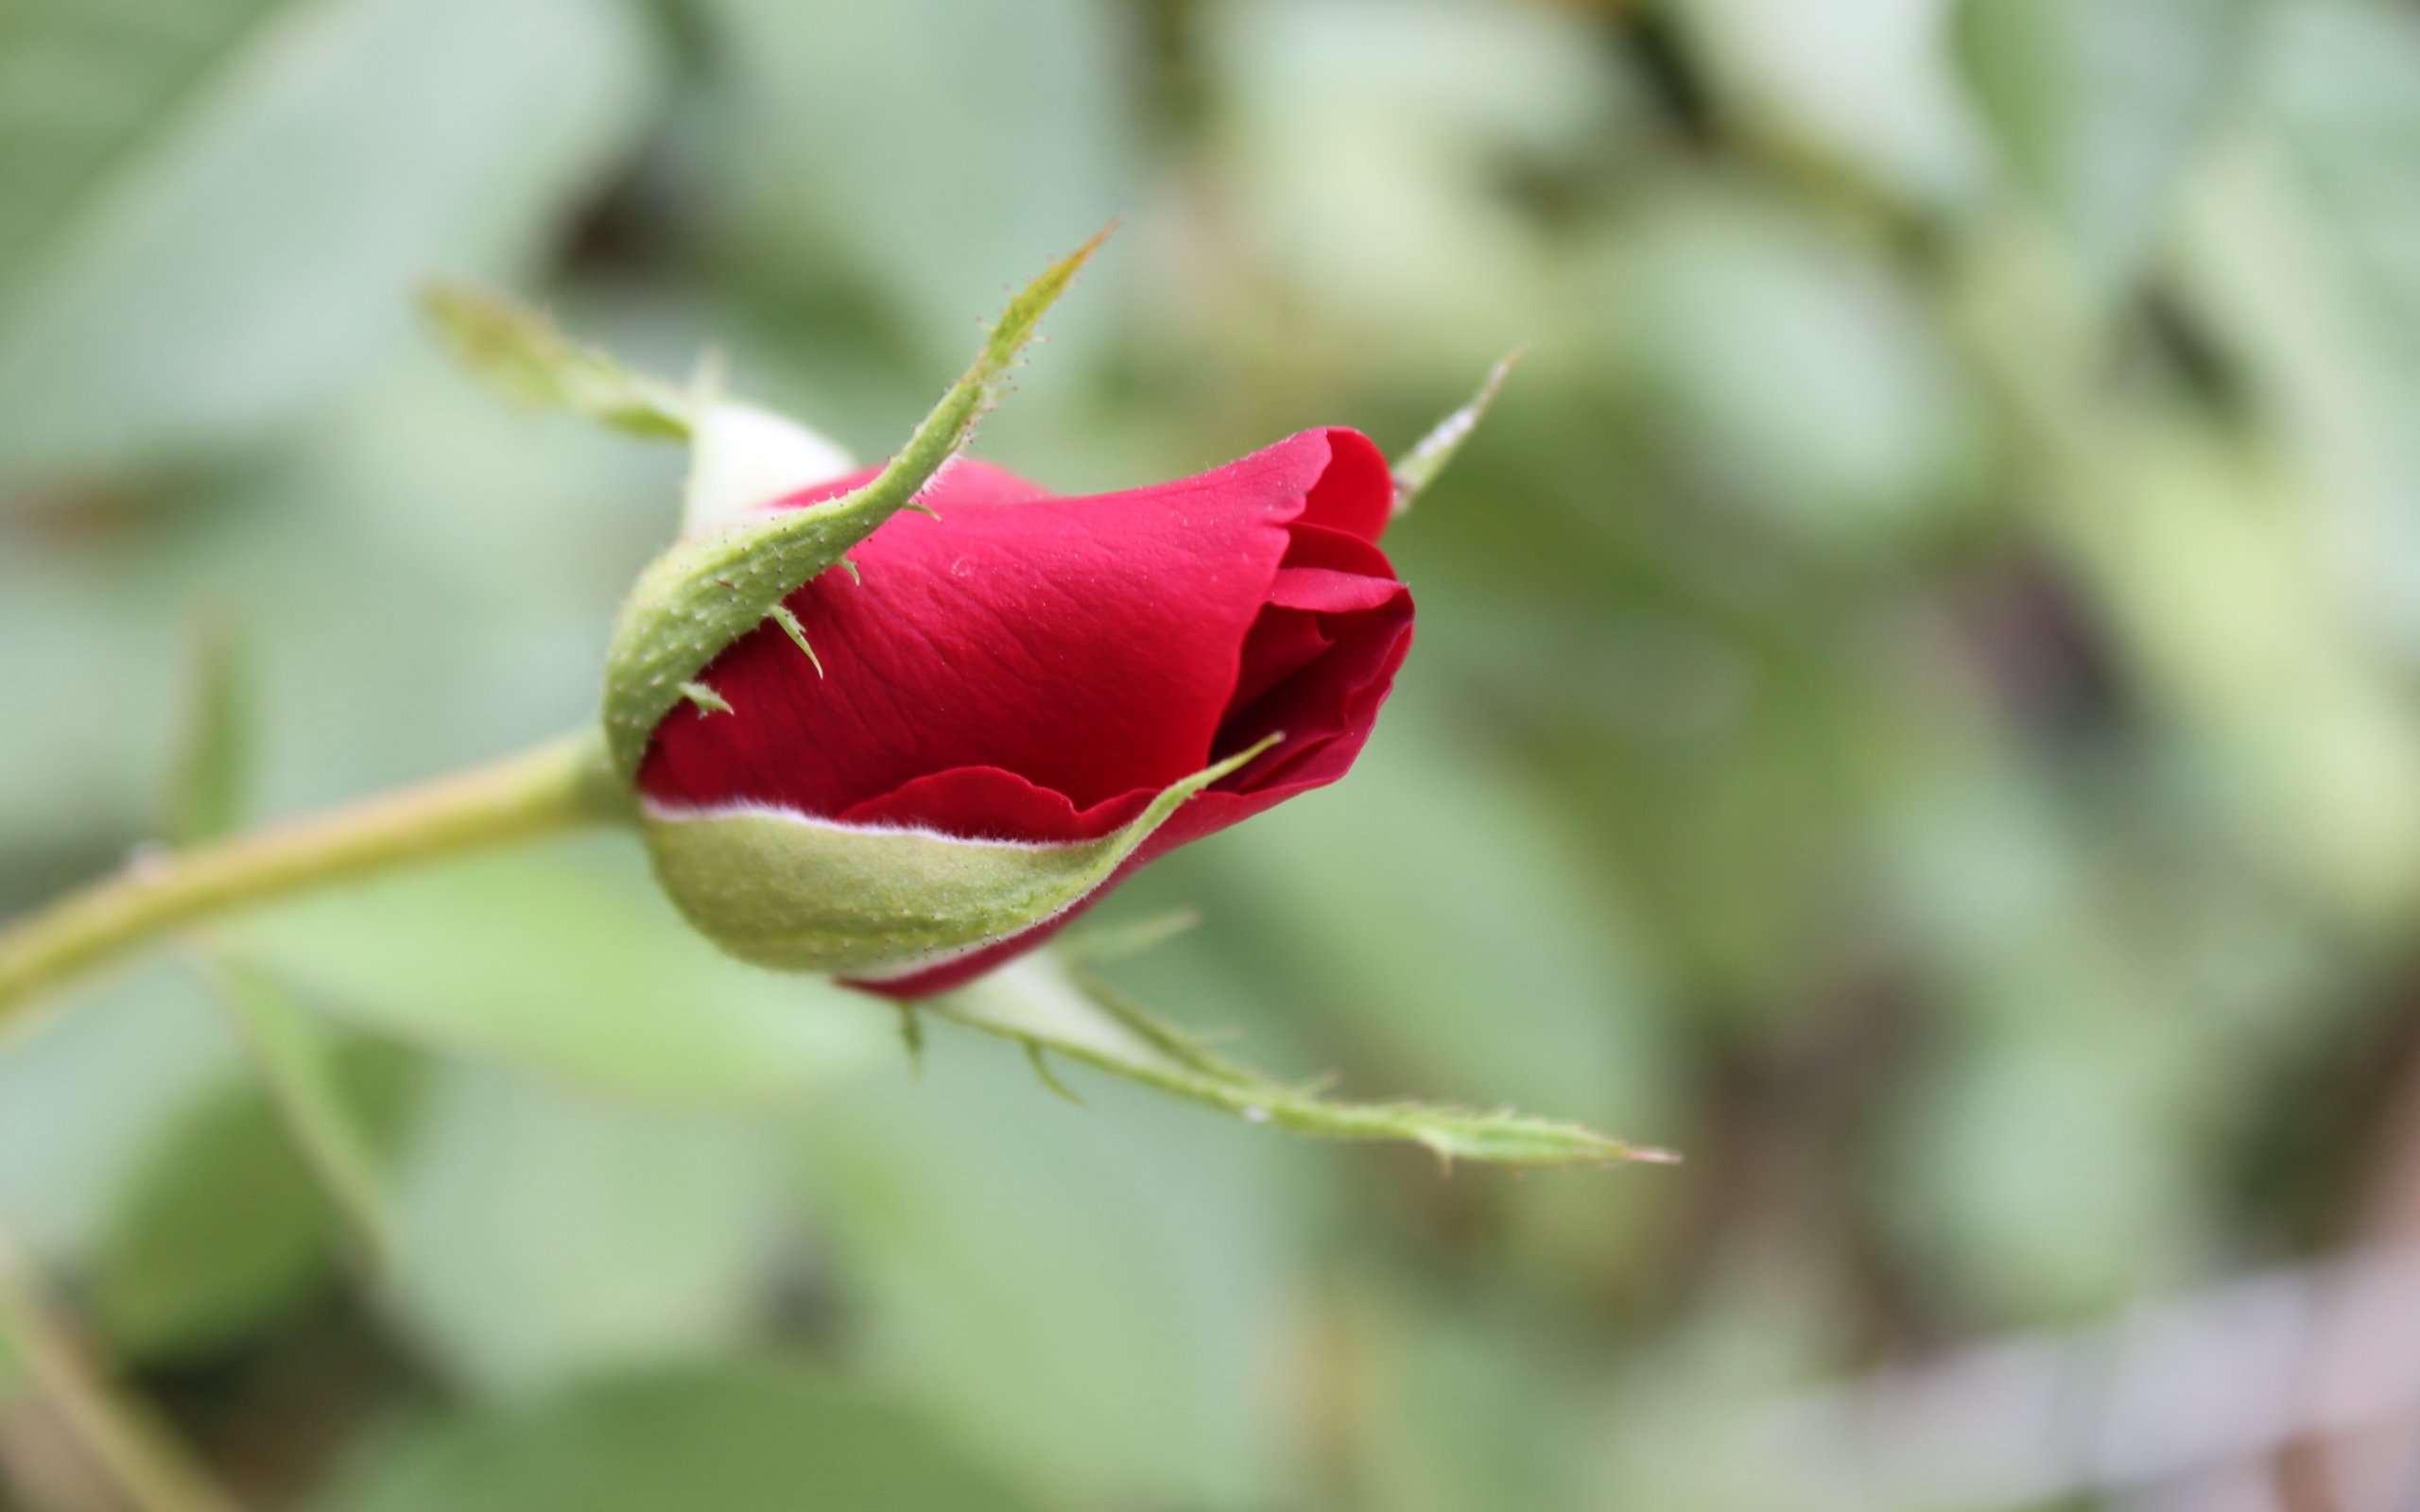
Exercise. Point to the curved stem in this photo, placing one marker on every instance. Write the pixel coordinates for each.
(557, 786)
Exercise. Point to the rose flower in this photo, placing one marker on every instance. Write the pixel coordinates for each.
(1025, 682)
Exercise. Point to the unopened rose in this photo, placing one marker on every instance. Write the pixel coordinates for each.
(1019, 698)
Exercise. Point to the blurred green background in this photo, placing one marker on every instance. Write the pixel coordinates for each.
(1915, 707)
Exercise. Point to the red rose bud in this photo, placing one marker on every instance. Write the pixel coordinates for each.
(912, 771)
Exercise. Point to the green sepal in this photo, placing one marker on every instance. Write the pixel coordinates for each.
(710, 590)
(801, 894)
(741, 455)
(527, 355)
(1041, 1005)
(1429, 455)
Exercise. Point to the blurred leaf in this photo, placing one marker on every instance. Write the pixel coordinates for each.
(541, 1236)
(294, 1057)
(1089, 1294)
(735, 1437)
(1799, 373)
(225, 1227)
(551, 965)
(1863, 83)
(83, 83)
(1368, 146)
(1036, 1003)
(231, 201)
(1456, 1410)
(87, 1097)
(211, 788)
(2219, 579)
(302, 1073)
(2299, 252)
(930, 147)
(2343, 95)
(2102, 109)
(2041, 1172)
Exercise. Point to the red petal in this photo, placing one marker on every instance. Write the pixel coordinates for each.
(985, 803)
(1088, 645)
(1283, 641)
(1334, 717)
(1356, 494)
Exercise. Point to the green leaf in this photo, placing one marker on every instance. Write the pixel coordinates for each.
(87, 1097)
(801, 894)
(2102, 109)
(217, 210)
(295, 1056)
(225, 1228)
(736, 1438)
(1038, 1004)
(1358, 143)
(1790, 367)
(1862, 85)
(1465, 1407)
(525, 353)
(547, 961)
(61, 143)
(302, 1073)
(917, 218)
(542, 1236)
(1087, 1293)
(709, 590)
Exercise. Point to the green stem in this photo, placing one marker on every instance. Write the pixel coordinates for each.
(557, 786)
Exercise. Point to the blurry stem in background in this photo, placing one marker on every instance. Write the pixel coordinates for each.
(564, 784)
(146, 1462)
(299, 1073)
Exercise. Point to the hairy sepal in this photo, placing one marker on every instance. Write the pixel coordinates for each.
(803, 894)
(711, 589)
(1431, 453)
(523, 352)
(1053, 1010)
